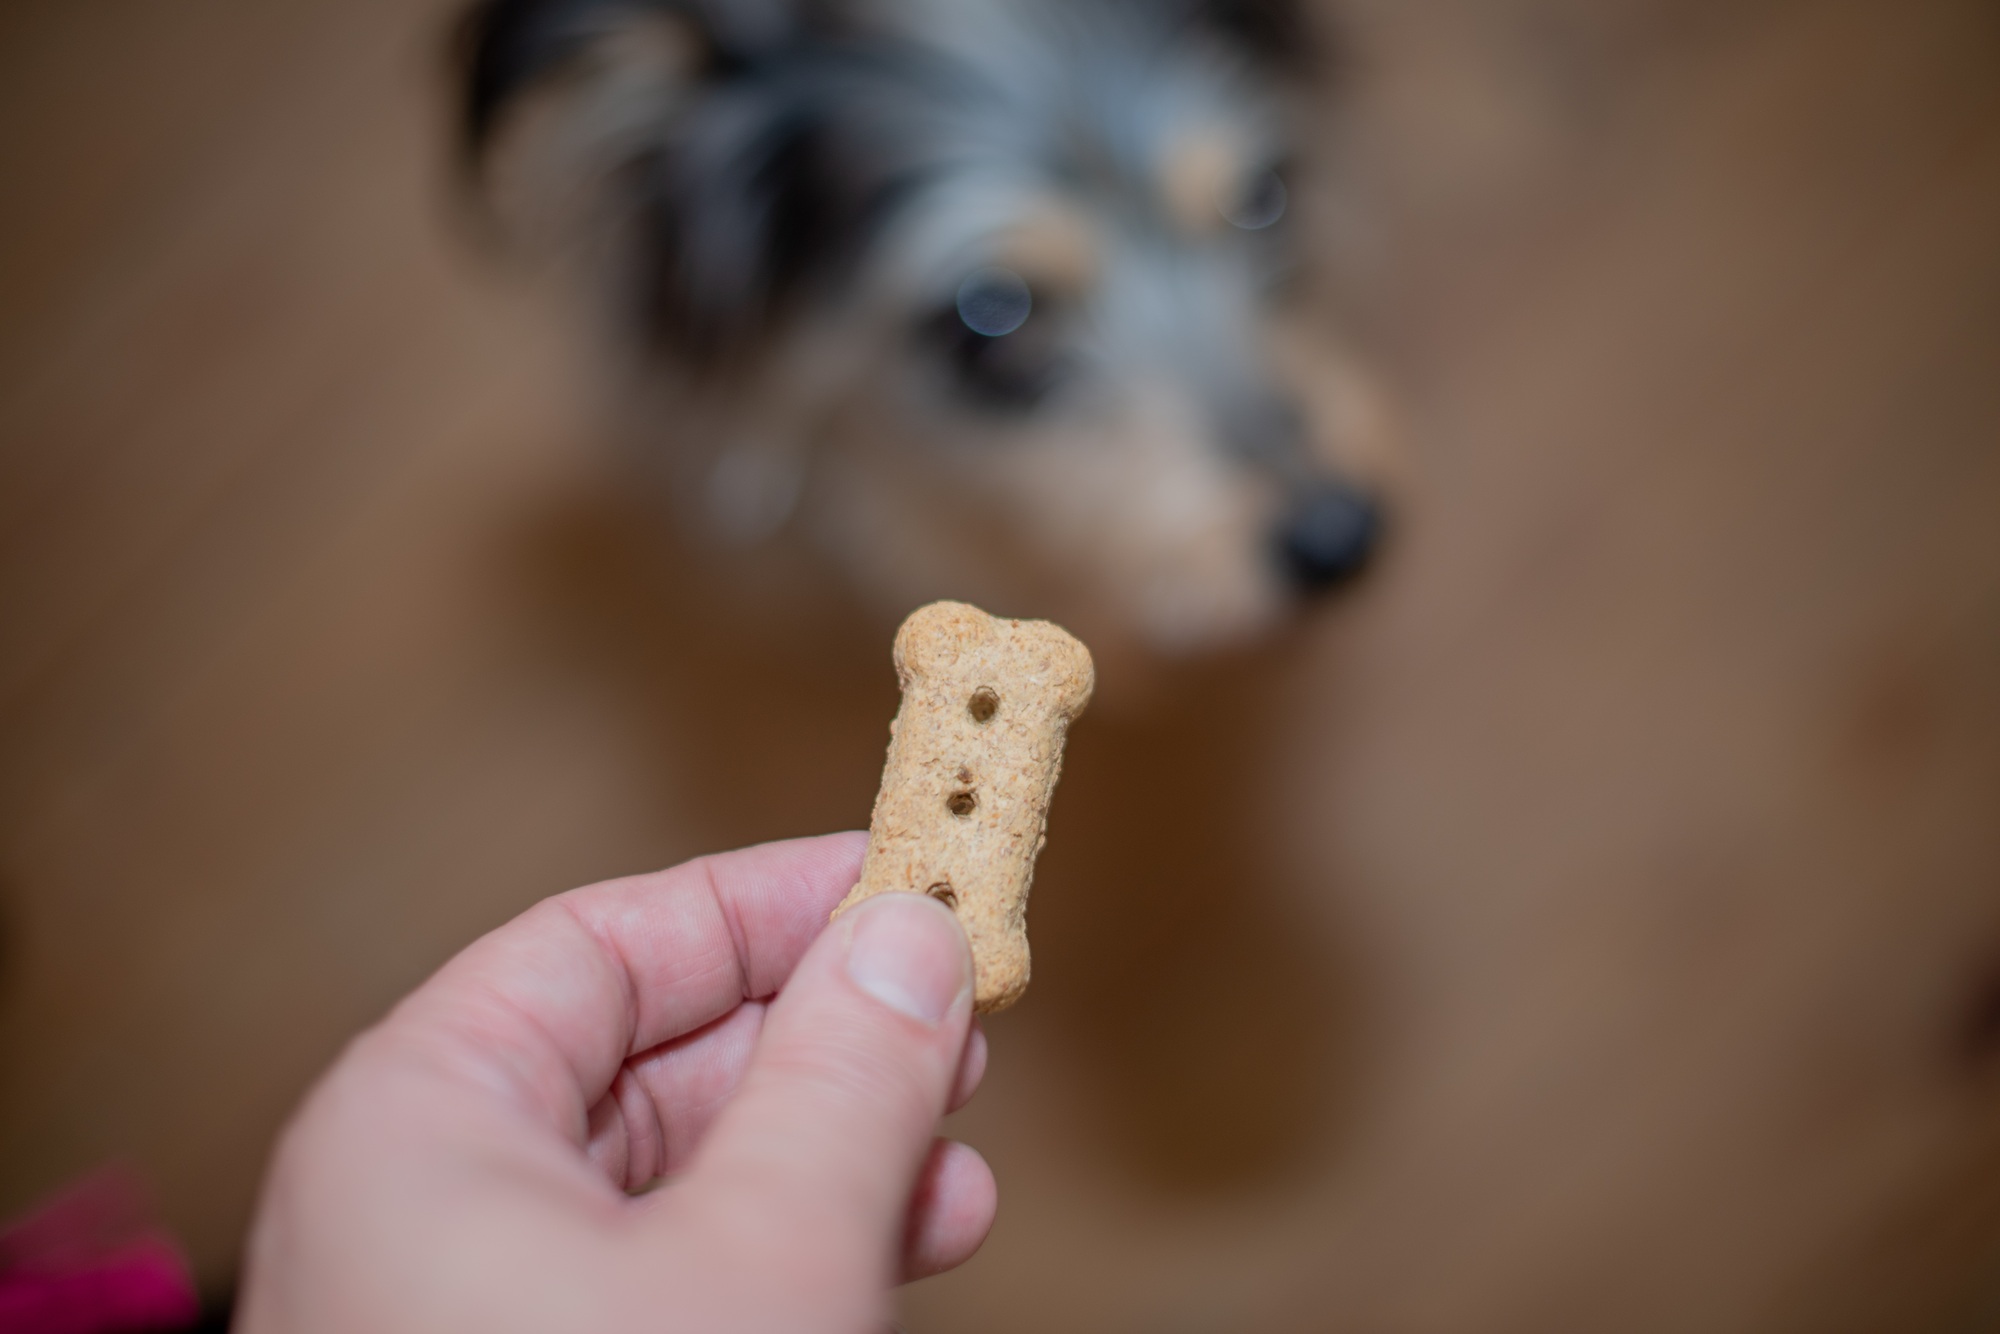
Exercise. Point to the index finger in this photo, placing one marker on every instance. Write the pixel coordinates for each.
(550, 1005)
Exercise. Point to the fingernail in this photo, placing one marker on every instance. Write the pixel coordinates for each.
(906, 951)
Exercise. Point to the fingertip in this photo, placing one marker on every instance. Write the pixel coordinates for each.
(839, 855)
(971, 1067)
(820, 868)
(908, 952)
(951, 1210)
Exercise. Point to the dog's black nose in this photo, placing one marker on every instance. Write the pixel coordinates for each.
(1328, 536)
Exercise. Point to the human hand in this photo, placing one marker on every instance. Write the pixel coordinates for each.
(466, 1163)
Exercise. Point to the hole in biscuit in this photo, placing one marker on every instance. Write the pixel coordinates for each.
(943, 894)
(960, 803)
(983, 705)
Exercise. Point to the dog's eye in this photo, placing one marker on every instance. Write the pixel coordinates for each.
(1260, 203)
(994, 302)
(997, 351)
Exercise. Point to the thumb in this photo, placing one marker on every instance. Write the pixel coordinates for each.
(819, 1150)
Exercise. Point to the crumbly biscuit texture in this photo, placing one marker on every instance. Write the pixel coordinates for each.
(974, 754)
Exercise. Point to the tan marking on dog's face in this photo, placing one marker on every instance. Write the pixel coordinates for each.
(1054, 246)
(1351, 424)
(1126, 521)
(1203, 168)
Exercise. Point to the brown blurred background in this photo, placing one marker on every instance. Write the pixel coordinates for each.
(1592, 924)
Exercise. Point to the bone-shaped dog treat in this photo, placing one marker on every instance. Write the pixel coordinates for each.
(974, 754)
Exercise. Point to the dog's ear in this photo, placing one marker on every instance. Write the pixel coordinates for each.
(717, 142)
(507, 48)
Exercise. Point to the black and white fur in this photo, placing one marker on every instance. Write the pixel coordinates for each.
(977, 295)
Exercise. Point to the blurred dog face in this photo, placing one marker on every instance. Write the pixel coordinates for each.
(975, 292)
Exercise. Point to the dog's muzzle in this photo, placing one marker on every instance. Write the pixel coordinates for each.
(1328, 529)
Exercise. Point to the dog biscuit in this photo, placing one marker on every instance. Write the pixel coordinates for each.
(974, 754)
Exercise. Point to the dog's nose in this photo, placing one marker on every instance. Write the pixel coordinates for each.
(1328, 535)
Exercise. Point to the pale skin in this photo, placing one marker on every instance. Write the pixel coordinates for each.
(469, 1162)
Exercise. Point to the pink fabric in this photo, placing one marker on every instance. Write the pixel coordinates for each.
(87, 1262)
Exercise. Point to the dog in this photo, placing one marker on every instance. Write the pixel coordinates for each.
(978, 297)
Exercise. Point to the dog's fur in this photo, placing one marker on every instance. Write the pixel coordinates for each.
(823, 221)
